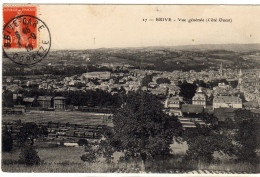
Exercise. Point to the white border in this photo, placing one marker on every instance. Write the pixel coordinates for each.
(217, 2)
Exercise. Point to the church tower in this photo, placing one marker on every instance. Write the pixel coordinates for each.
(240, 77)
(240, 80)
(221, 70)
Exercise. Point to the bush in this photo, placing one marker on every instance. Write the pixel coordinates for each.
(82, 142)
(7, 141)
(29, 156)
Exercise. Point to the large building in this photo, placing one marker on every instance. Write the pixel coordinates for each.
(44, 101)
(199, 98)
(59, 102)
(172, 102)
(227, 102)
(97, 75)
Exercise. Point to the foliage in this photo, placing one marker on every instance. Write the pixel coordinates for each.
(91, 154)
(142, 129)
(204, 141)
(209, 118)
(7, 141)
(246, 136)
(7, 99)
(147, 79)
(200, 83)
(83, 142)
(30, 131)
(187, 90)
(29, 156)
(163, 81)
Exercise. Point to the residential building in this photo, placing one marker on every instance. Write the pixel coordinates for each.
(172, 102)
(59, 102)
(97, 75)
(227, 102)
(44, 101)
(199, 98)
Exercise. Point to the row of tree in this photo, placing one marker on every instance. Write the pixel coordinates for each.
(143, 131)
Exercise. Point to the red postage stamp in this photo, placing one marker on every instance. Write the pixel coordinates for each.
(26, 38)
(26, 33)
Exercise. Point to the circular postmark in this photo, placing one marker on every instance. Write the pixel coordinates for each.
(26, 40)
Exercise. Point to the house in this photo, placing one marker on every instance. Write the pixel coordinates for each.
(174, 112)
(98, 75)
(44, 101)
(199, 98)
(172, 102)
(227, 102)
(59, 102)
(29, 101)
(19, 109)
(192, 111)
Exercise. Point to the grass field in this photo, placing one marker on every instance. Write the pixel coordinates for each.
(74, 117)
(67, 159)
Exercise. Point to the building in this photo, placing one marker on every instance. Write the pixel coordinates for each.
(190, 110)
(17, 109)
(172, 102)
(227, 102)
(199, 98)
(59, 102)
(240, 80)
(29, 101)
(98, 75)
(44, 101)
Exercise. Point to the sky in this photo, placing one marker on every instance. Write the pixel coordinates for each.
(108, 26)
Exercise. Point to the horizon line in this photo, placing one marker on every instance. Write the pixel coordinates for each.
(150, 46)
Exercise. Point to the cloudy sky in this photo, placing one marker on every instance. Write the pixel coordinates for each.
(97, 26)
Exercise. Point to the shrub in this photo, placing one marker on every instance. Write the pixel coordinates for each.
(7, 141)
(29, 156)
(82, 142)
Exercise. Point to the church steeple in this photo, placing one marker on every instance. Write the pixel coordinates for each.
(240, 79)
(240, 73)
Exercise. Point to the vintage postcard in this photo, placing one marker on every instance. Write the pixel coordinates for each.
(131, 89)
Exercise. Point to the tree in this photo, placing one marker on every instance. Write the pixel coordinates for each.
(163, 80)
(204, 141)
(29, 156)
(187, 90)
(141, 129)
(7, 99)
(7, 141)
(82, 142)
(246, 136)
(28, 131)
(147, 79)
(91, 154)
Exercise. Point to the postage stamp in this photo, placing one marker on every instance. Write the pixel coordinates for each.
(26, 38)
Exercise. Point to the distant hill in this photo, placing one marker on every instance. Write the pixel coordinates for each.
(227, 47)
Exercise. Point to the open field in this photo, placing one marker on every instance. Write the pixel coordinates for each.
(73, 117)
(67, 159)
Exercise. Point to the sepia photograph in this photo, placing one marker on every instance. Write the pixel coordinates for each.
(144, 89)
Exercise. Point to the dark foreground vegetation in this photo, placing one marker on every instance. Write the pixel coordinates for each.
(140, 141)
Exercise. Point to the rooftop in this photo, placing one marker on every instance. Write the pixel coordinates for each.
(189, 108)
(224, 99)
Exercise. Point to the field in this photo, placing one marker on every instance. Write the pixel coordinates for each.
(67, 159)
(73, 117)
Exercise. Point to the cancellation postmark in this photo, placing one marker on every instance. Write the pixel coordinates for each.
(26, 39)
